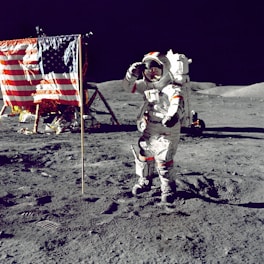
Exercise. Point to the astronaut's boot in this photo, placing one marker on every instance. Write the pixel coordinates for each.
(144, 169)
(168, 190)
(168, 184)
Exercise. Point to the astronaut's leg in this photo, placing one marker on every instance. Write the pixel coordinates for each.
(166, 150)
(167, 181)
(144, 164)
(144, 170)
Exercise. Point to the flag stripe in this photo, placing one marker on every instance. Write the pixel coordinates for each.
(18, 102)
(41, 92)
(17, 72)
(19, 83)
(15, 52)
(17, 93)
(36, 82)
(16, 62)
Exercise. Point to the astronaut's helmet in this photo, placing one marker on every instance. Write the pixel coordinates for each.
(157, 69)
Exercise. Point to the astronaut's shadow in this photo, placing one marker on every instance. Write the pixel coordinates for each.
(186, 195)
(237, 129)
(234, 132)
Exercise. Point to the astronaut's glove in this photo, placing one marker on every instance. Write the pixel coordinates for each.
(170, 121)
(136, 69)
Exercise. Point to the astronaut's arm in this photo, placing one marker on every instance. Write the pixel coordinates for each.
(175, 111)
(129, 85)
(131, 77)
(176, 105)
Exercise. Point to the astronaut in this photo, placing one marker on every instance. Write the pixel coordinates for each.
(159, 120)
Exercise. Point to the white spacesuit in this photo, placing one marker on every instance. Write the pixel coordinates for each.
(160, 118)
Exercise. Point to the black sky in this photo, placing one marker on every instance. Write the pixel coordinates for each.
(224, 38)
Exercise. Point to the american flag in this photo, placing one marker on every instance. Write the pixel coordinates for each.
(36, 69)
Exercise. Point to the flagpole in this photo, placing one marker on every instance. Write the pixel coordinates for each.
(81, 110)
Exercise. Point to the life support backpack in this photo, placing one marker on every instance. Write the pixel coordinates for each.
(179, 66)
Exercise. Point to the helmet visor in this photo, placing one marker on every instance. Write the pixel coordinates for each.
(153, 71)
